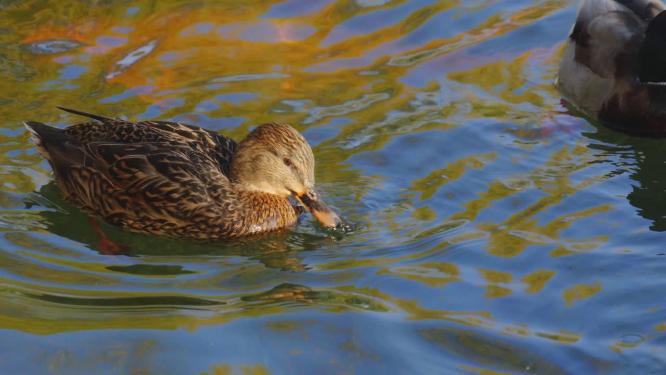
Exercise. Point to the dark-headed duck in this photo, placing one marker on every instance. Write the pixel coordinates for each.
(614, 64)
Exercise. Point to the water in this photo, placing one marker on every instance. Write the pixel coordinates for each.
(496, 231)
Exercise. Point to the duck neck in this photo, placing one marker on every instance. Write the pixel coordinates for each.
(257, 212)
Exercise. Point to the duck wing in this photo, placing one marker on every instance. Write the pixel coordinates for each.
(105, 129)
(150, 183)
(158, 178)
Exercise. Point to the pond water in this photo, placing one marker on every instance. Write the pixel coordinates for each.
(496, 232)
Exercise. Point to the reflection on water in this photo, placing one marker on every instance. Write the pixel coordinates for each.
(497, 232)
(643, 159)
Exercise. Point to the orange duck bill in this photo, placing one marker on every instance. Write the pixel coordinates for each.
(324, 214)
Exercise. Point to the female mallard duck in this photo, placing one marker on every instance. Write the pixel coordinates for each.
(182, 181)
(614, 66)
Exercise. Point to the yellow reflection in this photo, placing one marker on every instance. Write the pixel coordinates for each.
(434, 274)
(494, 289)
(225, 369)
(505, 78)
(149, 310)
(518, 330)
(561, 337)
(482, 371)
(430, 184)
(522, 229)
(424, 214)
(626, 342)
(537, 280)
(494, 26)
(488, 354)
(580, 292)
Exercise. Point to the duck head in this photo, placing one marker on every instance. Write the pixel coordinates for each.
(276, 159)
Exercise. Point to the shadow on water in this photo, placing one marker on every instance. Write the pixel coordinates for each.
(644, 159)
(172, 264)
(171, 261)
(278, 250)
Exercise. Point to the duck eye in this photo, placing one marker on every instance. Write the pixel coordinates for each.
(287, 162)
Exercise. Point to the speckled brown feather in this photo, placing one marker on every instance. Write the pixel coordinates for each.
(158, 177)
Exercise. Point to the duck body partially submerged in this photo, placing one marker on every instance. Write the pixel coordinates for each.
(614, 64)
(178, 180)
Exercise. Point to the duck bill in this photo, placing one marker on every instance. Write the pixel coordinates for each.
(324, 214)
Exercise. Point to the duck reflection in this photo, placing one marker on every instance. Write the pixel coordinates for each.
(645, 160)
(279, 250)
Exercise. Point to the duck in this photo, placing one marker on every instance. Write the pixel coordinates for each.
(613, 68)
(179, 180)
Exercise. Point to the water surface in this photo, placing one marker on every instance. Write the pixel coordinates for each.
(497, 232)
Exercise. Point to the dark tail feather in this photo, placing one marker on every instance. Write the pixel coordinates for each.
(44, 133)
(85, 114)
(56, 146)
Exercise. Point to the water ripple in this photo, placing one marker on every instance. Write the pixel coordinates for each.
(495, 230)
